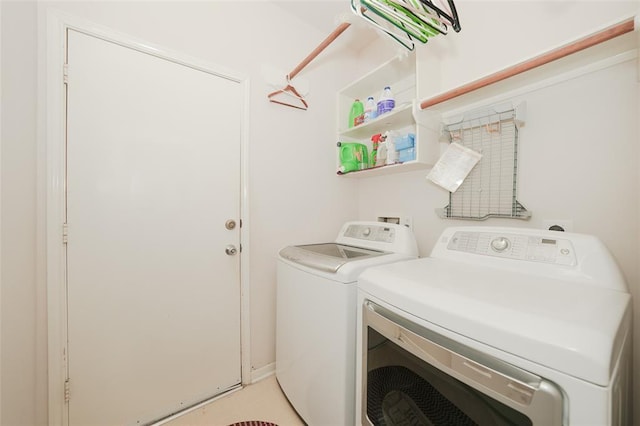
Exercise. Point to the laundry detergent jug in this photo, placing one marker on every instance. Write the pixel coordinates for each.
(353, 156)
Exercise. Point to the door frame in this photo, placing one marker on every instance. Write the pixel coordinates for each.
(51, 140)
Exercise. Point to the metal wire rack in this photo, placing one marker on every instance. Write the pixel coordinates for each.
(490, 189)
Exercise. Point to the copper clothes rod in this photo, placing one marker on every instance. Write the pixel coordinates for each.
(289, 89)
(584, 43)
(330, 39)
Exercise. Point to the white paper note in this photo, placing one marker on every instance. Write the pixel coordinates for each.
(454, 166)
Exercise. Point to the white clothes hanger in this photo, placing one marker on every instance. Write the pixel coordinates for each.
(289, 89)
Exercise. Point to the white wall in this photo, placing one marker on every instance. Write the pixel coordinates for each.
(294, 194)
(18, 243)
(578, 152)
(0, 216)
(577, 161)
(499, 34)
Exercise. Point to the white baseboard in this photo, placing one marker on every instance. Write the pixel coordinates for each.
(263, 372)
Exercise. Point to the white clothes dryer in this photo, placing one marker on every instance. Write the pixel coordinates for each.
(499, 326)
(316, 316)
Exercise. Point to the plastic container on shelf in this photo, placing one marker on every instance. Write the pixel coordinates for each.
(353, 156)
(381, 154)
(356, 115)
(405, 141)
(392, 154)
(370, 110)
(408, 154)
(386, 102)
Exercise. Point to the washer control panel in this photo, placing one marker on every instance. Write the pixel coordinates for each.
(380, 233)
(514, 246)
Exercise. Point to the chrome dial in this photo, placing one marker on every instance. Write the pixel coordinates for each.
(500, 244)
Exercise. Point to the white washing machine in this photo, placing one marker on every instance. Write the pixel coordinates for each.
(499, 326)
(316, 316)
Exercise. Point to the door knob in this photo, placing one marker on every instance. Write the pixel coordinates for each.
(230, 224)
(231, 250)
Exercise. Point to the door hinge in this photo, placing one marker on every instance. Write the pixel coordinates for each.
(65, 233)
(67, 394)
(65, 73)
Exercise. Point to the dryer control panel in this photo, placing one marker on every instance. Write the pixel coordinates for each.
(515, 246)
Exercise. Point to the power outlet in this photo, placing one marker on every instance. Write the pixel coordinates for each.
(398, 220)
(566, 224)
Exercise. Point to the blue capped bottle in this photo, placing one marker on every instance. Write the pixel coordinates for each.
(370, 110)
(386, 102)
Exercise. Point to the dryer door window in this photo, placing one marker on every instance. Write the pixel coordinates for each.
(415, 376)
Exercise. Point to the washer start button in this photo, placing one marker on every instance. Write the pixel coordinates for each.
(500, 244)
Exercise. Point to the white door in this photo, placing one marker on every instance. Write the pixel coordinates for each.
(153, 174)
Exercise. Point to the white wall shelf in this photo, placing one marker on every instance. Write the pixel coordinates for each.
(400, 74)
(390, 169)
(401, 116)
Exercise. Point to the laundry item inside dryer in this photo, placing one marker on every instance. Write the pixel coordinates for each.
(402, 391)
(398, 396)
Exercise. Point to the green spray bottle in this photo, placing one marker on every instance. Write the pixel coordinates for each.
(375, 140)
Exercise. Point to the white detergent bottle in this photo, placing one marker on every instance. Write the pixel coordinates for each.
(381, 157)
(392, 154)
(387, 102)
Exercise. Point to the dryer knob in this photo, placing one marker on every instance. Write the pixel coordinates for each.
(500, 244)
(366, 232)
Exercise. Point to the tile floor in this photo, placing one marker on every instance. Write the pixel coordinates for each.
(263, 400)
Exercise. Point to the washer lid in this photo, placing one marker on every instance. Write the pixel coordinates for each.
(327, 257)
(573, 328)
